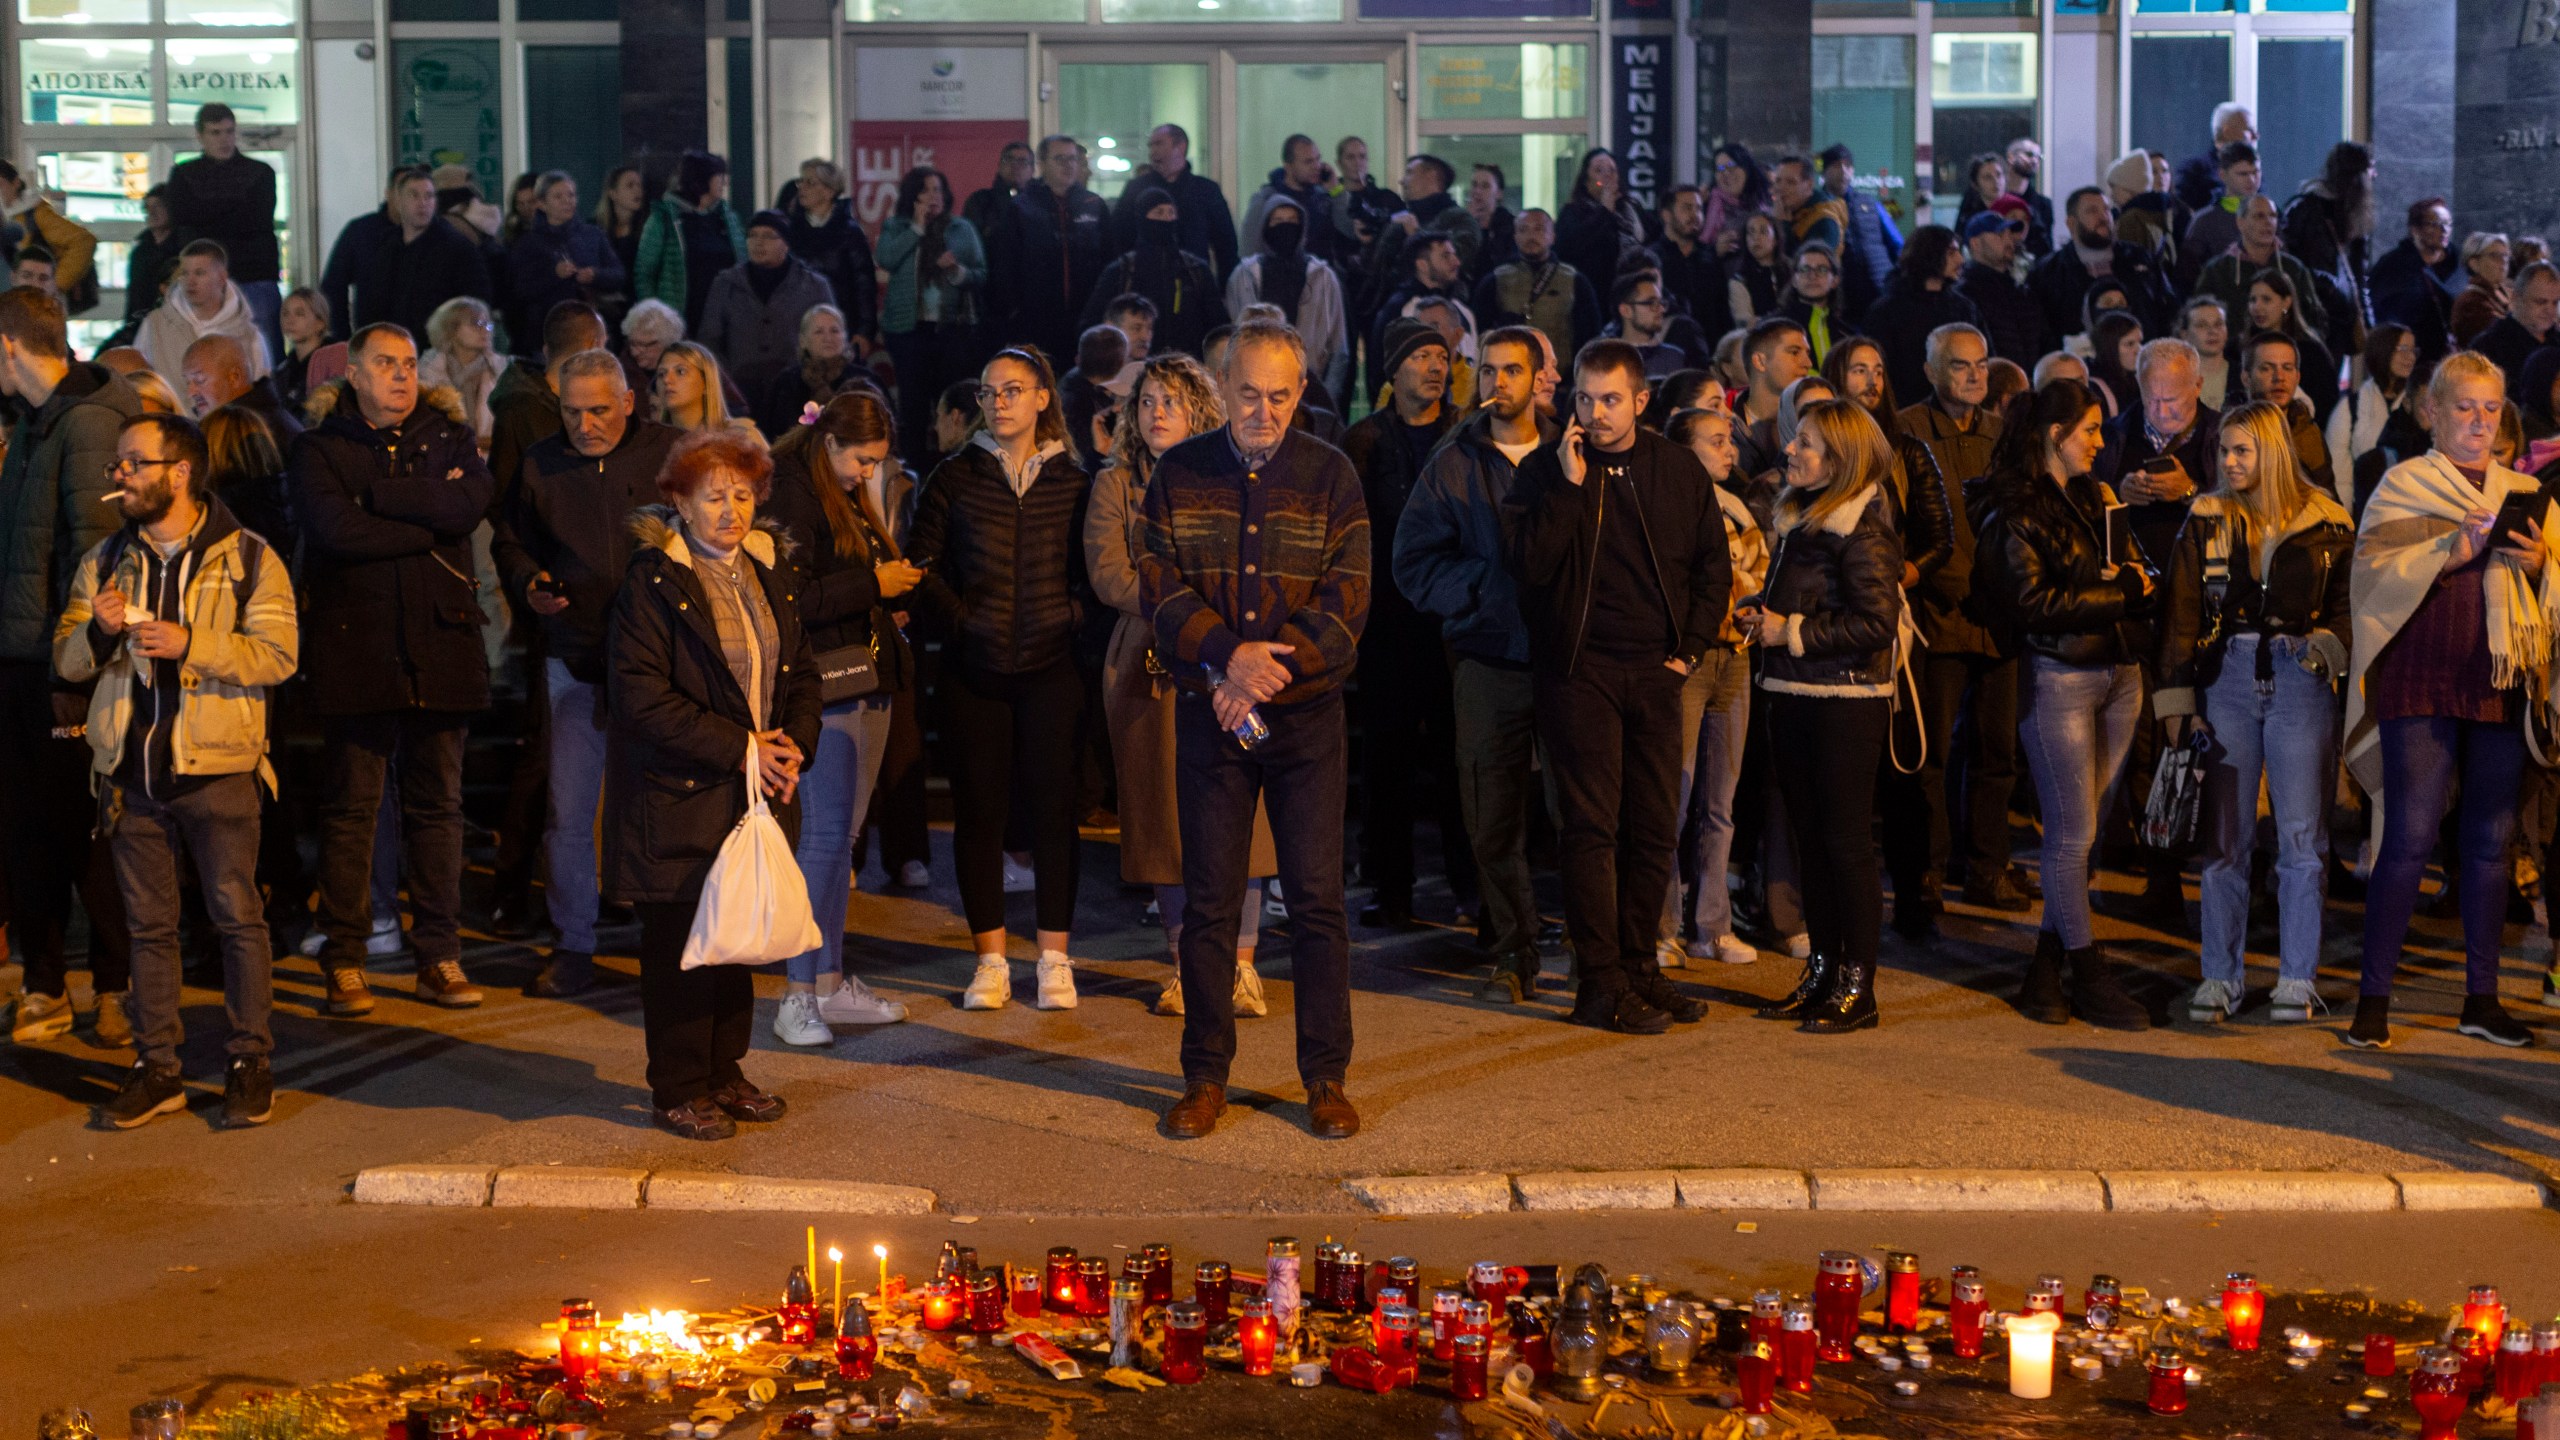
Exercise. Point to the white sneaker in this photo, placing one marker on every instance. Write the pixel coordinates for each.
(797, 1022)
(41, 1018)
(991, 987)
(1169, 999)
(2213, 1002)
(1057, 981)
(1668, 954)
(1273, 906)
(1799, 947)
(1730, 949)
(1249, 999)
(854, 1003)
(1018, 878)
(2296, 1002)
(914, 875)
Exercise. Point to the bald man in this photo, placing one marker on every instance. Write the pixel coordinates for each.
(216, 369)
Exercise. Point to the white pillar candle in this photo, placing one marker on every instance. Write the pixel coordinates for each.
(2031, 1354)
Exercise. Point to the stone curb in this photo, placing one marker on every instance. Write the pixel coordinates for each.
(1979, 1191)
(586, 1188)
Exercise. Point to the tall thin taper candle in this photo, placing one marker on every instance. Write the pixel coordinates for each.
(812, 1271)
(836, 1258)
(882, 1251)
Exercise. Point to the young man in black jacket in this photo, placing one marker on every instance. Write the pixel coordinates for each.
(2062, 279)
(1619, 549)
(390, 487)
(1045, 253)
(562, 543)
(407, 269)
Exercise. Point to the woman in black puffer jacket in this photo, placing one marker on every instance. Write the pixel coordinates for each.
(999, 531)
(2042, 570)
(1826, 625)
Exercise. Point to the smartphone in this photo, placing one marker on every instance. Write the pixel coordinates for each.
(2518, 510)
(2160, 464)
(2120, 546)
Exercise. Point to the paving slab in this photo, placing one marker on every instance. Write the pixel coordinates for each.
(1744, 1190)
(678, 1190)
(2019, 1191)
(2438, 1190)
(1432, 1194)
(425, 1184)
(569, 1187)
(1598, 1190)
(2206, 1191)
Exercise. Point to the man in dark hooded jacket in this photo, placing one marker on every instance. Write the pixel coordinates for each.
(1045, 252)
(1183, 286)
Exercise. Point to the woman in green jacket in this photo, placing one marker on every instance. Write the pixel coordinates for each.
(935, 266)
(692, 236)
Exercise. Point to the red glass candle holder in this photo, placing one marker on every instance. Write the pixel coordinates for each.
(1212, 1281)
(1837, 1289)
(1405, 1273)
(1257, 1336)
(2476, 1357)
(2168, 1394)
(1186, 1334)
(1468, 1366)
(2381, 1355)
(986, 1303)
(581, 1341)
(1755, 1374)
(1350, 1283)
(1059, 1287)
(1028, 1289)
(1475, 1317)
(2044, 1297)
(2485, 1314)
(1320, 1287)
(941, 1307)
(1360, 1368)
(1159, 1278)
(2517, 1381)
(856, 1355)
(1444, 1323)
(1968, 1301)
(1796, 1347)
(2437, 1393)
(1766, 1306)
(1901, 1291)
(2244, 1310)
(2101, 1303)
(1529, 1343)
(1391, 1330)
(1093, 1287)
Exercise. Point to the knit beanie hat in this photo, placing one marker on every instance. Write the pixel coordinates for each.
(1404, 337)
(773, 220)
(2132, 172)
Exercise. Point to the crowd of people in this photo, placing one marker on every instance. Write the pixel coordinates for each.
(1729, 552)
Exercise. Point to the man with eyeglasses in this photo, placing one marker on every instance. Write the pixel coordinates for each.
(389, 491)
(2414, 282)
(54, 487)
(1644, 317)
(1046, 252)
(2011, 318)
(2020, 164)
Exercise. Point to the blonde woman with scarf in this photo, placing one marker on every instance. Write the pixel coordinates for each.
(2452, 639)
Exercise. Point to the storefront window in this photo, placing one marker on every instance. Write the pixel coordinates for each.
(1982, 95)
(2185, 7)
(86, 82)
(1112, 107)
(447, 97)
(2180, 79)
(254, 77)
(1164, 11)
(84, 12)
(2304, 80)
(1862, 98)
(230, 12)
(100, 187)
(1504, 82)
(1537, 170)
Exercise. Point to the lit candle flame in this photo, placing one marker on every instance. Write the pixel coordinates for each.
(835, 1254)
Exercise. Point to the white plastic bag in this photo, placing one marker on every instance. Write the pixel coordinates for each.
(755, 907)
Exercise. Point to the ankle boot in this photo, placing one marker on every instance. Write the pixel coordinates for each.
(1514, 979)
(2099, 997)
(1820, 973)
(2040, 995)
(1851, 1005)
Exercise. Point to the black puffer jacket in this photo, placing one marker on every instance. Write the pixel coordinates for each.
(840, 602)
(675, 780)
(2039, 563)
(1838, 582)
(1005, 573)
(2295, 586)
(391, 605)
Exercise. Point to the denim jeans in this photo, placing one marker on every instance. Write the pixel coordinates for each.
(1496, 738)
(835, 792)
(1715, 719)
(1302, 775)
(423, 749)
(2078, 726)
(577, 789)
(215, 823)
(2286, 729)
(2422, 759)
(1170, 901)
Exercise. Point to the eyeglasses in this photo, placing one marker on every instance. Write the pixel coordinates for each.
(1822, 270)
(1009, 395)
(119, 468)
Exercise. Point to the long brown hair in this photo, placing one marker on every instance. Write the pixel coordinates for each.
(856, 417)
(1052, 425)
(1187, 381)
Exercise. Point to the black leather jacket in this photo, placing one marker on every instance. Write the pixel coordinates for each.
(1926, 516)
(2303, 592)
(1839, 583)
(2039, 573)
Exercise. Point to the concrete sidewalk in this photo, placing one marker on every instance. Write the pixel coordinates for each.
(1025, 1112)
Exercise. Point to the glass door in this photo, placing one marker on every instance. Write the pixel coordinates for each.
(1110, 100)
(1323, 94)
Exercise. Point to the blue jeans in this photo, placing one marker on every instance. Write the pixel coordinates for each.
(2287, 730)
(1715, 718)
(266, 305)
(2422, 758)
(1169, 905)
(835, 793)
(577, 789)
(2077, 729)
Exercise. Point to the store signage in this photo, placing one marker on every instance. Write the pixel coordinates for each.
(951, 107)
(1640, 111)
(91, 82)
(449, 109)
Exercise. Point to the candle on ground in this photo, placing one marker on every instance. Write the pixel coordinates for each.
(2031, 1354)
(881, 1252)
(813, 1256)
(836, 1257)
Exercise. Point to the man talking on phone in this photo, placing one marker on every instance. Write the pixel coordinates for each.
(1619, 551)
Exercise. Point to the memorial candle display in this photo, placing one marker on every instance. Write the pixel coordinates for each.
(1093, 1287)
(1467, 1368)
(941, 1307)
(1212, 1281)
(1901, 1292)
(581, 1343)
(1755, 1374)
(2381, 1355)
(1444, 1324)
(1968, 1299)
(2484, 1314)
(1796, 1346)
(2031, 1354)
(986, 1302)
(2168, 1394)
(2244, 1310)
(1058, 1286)
(1258, 1336)
(857, 1349)
(1529, 1344)
(1186, 1334)
(1159, 1277)
(1280, 1282)
(1392, 1332)
(1836, 1292)
(1028, 1287)
(2437, 1393)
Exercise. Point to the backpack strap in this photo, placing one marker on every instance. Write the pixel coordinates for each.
(111, 555)
(253, 554)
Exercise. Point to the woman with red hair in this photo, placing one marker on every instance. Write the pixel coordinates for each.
(708, 667)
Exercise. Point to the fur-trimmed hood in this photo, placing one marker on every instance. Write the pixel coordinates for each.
(657, 528)
(1842, 522)
(325, 400)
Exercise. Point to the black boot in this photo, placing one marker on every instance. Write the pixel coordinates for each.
(1647, 980)
(1515, 978)
(2040, 995)
(1851, 1005)
(2372, 1027)
(2098, 997)
(1820, 974)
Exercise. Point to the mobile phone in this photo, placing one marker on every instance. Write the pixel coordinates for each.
(2518, 510)
(2159, 464)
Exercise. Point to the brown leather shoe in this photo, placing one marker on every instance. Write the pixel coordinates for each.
(1329, 1112)
(1197, 1112)
(743, 1101)
(347, 992)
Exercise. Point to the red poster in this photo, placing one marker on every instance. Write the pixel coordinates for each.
(965, 151)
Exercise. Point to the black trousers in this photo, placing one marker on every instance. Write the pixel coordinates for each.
(1826, 750)
(1969, 704)
(697, 1022)
(1300, 775)
(421, 752)
(898, 800)
(1612, 733)
(46, 827)
(1013, 752)
(526, 822)
(1408, 741)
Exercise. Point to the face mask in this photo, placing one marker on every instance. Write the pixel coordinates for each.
(1159, 234)
(1282, 239)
